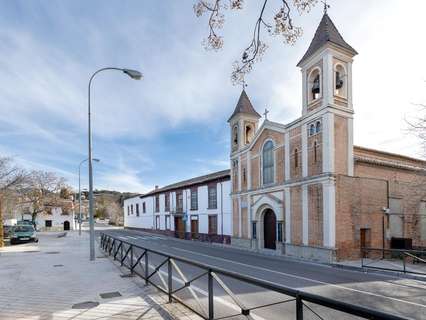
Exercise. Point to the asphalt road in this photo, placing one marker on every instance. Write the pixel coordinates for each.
(404, 297)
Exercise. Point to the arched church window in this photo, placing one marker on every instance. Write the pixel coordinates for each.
(296, 158)
(315, 151)
(312, 129)
(268, 162)
(235, 136)
(340, 80)
(318, 127)
(314, 88)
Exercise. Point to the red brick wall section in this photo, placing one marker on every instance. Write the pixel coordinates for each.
(410, 187)
(255, 172)
(295, 143)
(296, 215)
(244, 173)
(359, 203)
(235, 218)
(315, 163)
(315, 209)
(341, 144)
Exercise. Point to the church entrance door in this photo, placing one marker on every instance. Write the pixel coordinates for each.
(270, 229)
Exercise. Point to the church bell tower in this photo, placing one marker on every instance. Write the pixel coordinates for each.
(243, 123)
(327, 69)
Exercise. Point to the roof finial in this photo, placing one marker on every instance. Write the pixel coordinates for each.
(244, 84)
(326, 6)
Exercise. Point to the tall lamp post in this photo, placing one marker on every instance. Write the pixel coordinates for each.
(79, 193)
(136, 75)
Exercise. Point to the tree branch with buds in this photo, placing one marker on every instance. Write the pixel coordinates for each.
(281, 26)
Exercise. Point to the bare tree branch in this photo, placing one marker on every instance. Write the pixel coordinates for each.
(283, 26)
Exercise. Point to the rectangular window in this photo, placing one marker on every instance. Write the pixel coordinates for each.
(131, 208)
(194, 199)
(167, 222)
(48, 223)
(137, 209)
(167, 202)
(179, 201)
(128, 210)
(212, 190)
(254, 230)
(143, 207)
(157, 222)
(213, 224)
(157, 203)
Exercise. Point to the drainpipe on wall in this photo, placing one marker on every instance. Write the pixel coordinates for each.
(221, 211)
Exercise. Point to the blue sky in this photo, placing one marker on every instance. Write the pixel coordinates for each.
(172, 125)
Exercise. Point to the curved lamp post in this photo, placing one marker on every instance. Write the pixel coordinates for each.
(136, 75)
(79, 193)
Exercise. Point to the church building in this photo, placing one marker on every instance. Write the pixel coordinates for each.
(303, 189)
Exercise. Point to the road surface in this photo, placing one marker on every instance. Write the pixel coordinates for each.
(404, 297)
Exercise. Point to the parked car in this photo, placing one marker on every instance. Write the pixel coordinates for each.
(26, 223)
(23, 233)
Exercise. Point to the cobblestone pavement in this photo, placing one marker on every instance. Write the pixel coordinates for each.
(44, 281)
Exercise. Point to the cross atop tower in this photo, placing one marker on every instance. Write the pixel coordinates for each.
(244, 84)
(266, 114)
(326, 6)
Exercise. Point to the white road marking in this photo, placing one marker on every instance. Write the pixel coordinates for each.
(303, 278)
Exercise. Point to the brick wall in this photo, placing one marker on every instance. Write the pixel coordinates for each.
(359, 203)
(315, 157)
(341, 144)
(409, 187)
(235, 218)
(315, 209)
(296, 214)
(295, 143)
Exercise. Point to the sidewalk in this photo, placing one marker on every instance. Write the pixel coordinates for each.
(45, 281)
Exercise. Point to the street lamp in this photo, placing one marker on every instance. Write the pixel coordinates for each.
(136, 75)
(79, 193)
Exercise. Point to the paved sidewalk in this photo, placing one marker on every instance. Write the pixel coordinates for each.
(44, 281)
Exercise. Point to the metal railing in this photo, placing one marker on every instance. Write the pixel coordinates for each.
(398, 260)
(167, 269)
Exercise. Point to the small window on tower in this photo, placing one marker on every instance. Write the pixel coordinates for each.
(249, 133)
(312, 129)
(340, 81)
(235, 136)
(314, 85)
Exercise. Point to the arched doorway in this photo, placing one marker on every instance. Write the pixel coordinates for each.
(66, 225)
(269, 229)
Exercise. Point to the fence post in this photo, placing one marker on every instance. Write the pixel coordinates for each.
(210, 295)
(146, 267)
(299, 308)
(170, 279)
(131, 259)
(121, 254)
(403, 261)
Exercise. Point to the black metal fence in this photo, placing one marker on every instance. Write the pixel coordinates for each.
(398, 260)
(206, 290)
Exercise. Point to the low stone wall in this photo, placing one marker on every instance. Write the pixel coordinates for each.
(318, 254)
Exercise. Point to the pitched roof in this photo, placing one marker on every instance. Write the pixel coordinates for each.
(244, 106)
(224, 174)
(326, 32)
